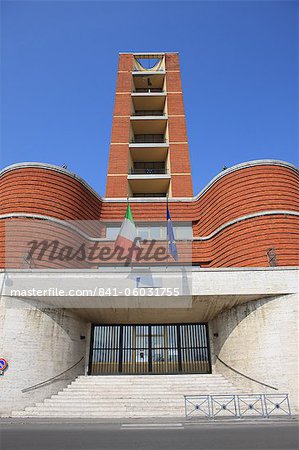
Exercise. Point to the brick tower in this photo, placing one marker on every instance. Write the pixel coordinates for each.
(149, 154)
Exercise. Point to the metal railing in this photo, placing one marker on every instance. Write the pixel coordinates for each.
(148, 113)
(148, 69)
(237, 405)
(246, 376)
(49, 380)
(149, 194)
(148, 171)
(148, 139)
(147, 90)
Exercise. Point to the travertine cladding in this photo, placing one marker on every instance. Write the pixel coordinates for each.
(260, 339)
(38, 343)
(247, 189)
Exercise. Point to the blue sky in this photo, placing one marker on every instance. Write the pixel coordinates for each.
(239, 64)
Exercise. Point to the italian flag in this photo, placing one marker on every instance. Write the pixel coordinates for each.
(127, 233)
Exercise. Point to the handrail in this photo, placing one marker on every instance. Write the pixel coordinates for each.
(38, 385)
(245, 376)
(148, 90)
(149, 69)
(148, 140)
(148, 112)
(148, 171)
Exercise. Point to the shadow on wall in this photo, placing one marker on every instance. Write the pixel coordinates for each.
(260, 340)
(60, 317)
(235, 316)
(39, 343)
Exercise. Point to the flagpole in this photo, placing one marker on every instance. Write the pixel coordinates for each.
(167, 231)
(128, 203)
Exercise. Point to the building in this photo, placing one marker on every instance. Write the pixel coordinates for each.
(238, 319)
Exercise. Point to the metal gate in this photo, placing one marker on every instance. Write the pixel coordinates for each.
(149, 349)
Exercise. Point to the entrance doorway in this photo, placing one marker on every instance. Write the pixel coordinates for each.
(149, 349)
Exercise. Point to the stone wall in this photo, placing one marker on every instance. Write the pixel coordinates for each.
(38, 343)
(259, 339)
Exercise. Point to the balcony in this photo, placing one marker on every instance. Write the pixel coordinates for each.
(148, 171)
(148, 125)
(147, 112)
(148, 139)
(145, 82)
(148, 152)
(148, 91)
(149, 184)
(150, 194)
(152, 102)
(149, 177)
(148, 70)
(149, 147)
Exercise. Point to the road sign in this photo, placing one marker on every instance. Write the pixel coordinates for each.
(3, 365)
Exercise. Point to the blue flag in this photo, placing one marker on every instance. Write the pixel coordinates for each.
(170, 237)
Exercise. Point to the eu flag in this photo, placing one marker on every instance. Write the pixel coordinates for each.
(170, 238)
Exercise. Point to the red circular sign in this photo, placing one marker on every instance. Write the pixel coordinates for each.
(3, 363)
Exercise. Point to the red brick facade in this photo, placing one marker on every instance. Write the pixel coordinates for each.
(176, 129)
(236, 219)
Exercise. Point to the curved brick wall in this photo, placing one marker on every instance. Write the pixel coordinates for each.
(245, 190)
(49, 192)
(245, 243)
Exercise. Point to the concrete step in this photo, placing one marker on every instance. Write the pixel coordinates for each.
(139, 393)
(107, 408)
(149, 383)
(153, 385)
(149, 388)
(105, 391)
(78, 406)
(152, 375)
(147, 401)
(105, 400)
(135, 386)
(163, 398)
(121, 415)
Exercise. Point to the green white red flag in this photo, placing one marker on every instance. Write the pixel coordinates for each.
(128, 234)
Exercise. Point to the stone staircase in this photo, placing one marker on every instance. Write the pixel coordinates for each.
(127, 396)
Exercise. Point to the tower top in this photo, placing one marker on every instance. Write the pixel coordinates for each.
(146, 53)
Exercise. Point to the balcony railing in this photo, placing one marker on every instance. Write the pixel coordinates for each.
(148, 139)
(148, 171)
(147, 90)
(158, 69)
(148, 113)
(150, 194)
